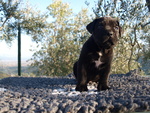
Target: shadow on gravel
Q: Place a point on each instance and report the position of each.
(36, 82)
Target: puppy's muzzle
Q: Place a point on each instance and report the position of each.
(110, 34)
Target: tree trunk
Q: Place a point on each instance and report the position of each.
(148, 4)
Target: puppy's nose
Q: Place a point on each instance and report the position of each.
(110, 33)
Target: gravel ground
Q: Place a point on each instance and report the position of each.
(130, 92)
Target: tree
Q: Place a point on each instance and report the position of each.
(65, 35)
(7, 11)
(148, 4)
(32, 21)
(133, 14)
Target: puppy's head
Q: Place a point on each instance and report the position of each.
(105, 31)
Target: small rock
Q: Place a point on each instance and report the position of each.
(83, 109)
(4, 109)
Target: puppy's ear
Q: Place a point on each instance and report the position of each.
(90, 26)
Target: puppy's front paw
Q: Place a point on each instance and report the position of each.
(102, 87)
(81, 88)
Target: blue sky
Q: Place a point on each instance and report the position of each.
(10, 53)
(76, 5)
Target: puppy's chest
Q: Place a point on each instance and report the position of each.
(98, 61)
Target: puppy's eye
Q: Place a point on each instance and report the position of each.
(100, 25)
(116, 27)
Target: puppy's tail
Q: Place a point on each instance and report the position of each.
(75, 70)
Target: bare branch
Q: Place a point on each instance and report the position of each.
(145, 24)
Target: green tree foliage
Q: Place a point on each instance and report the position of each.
(65, 35)
(7, 10)
(146, 49)
(12, 13)
(133, 16)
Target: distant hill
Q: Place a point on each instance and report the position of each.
(10, 68)
(11, 63)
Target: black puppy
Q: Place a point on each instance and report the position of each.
(94, 63)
